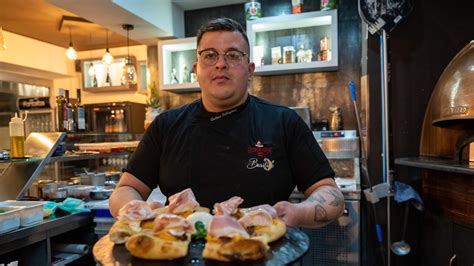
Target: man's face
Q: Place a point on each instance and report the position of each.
(224, 84)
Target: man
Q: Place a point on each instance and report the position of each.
(229, 143)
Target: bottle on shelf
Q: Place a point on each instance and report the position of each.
(17, 137)
(61, 110)
(80, 113)
(70, 125)
(108, 80)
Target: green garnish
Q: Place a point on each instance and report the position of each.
(201, 231)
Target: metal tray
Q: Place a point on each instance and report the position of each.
(287, 250)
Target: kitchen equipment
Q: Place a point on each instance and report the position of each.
(336, 118)
(100, 193)
(9, 219)
(116, 117)
(401, 247)
(55, 190)
(383, 16)
(31, 212)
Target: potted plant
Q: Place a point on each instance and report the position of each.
(153, 105)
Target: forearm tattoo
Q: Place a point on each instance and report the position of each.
(320, 214)
(337, 198)
(316, 198)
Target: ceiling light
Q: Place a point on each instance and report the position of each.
(71, 53)
(107, 59)
(3, 44)
(129, 74)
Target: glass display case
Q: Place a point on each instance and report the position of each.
(99, 77)
(176, 59)
(295, 43)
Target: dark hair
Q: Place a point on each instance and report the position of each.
(222, 24)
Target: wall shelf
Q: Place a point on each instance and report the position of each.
(303, 31)
(176, 59)
(100, 71)
(439, 164)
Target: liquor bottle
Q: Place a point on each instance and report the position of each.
(94, 81)
(108, 81)
(70, 114)
(62, 110)
(80, 113)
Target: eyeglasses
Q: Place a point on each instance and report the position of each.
(209, 57)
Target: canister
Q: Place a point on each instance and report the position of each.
(253, 10)
(288, 55)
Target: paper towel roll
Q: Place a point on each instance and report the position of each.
(70, 248)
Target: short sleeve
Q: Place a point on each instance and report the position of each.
(308, 162)
(144, 163)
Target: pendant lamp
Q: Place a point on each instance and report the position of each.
(129, 74)
(3, 44)
(107, 59)
(70, 52)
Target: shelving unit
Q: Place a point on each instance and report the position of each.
(305, 29)
(180, 55)
(100, 71)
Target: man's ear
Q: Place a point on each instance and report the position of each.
(195, 68)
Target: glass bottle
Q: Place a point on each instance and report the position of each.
(80, 113)
(70, 126)
(59, 110)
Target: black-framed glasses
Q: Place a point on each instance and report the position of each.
(209, 57)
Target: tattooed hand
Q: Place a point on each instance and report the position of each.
(324, 204)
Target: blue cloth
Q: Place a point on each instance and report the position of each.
(73, 205)
(404, 192)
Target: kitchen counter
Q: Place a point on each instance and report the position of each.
(35, 241)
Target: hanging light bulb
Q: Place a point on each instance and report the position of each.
(107, 59)
(70, 52)
(3, 44)
(129, 74)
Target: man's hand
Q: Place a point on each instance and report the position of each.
(324, 203)
(129, 188)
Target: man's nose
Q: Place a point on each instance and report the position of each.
(221, 62)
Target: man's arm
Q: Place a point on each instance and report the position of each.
(324, 203)
(129, 188)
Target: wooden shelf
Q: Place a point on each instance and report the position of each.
(112, 88)
(438, 164)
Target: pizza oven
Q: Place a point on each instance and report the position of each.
(447, 140)
(448, 127)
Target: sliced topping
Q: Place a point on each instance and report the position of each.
(135, 210)
(265, 207)
(226, 226)
(172, 224)
(182, 201)
(228, 207)
(257, 217)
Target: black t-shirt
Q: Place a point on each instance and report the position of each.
(258, 151)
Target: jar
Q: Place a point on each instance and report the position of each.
(253, 10)
(324, 43)
(276, 55)
(288, 55)
(328, 4)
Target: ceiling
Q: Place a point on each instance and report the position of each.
(45, 21)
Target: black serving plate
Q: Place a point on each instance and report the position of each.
(287, 250)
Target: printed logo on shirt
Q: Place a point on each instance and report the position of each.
(261, 161)
(223, 114)
(266, 164)
(260, 150)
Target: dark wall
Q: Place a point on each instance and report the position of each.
(318, 91)
(419, 50)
